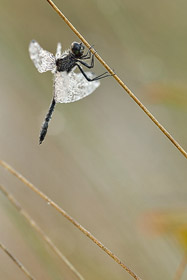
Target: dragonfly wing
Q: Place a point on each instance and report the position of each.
(61, 85)
(72, 86)
(58, 50)
(43, 60)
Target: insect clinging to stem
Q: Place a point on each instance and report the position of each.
(68, 85)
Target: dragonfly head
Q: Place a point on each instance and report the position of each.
(77, 49)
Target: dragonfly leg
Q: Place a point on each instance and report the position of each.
(102, 76)
(86, 64)
(88, 54)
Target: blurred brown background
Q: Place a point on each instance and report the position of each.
(103, 160)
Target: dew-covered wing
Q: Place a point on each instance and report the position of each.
(43, 60)
(58, 51)
(72, 87)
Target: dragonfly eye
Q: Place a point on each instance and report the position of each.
(77, 49)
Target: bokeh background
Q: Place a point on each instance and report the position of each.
(103, 160)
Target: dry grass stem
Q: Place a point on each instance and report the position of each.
(18, 263)
(181, 268)
(39, 230)
(68, 217)
(130, 93)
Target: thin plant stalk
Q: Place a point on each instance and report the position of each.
(17, 262)
(181, 268)
(18, 207)
(69, 218)
(130, 93)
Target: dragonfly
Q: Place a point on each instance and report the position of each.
(68, 86)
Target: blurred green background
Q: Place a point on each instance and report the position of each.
(103, 160)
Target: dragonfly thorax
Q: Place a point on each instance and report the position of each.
(66, 63)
